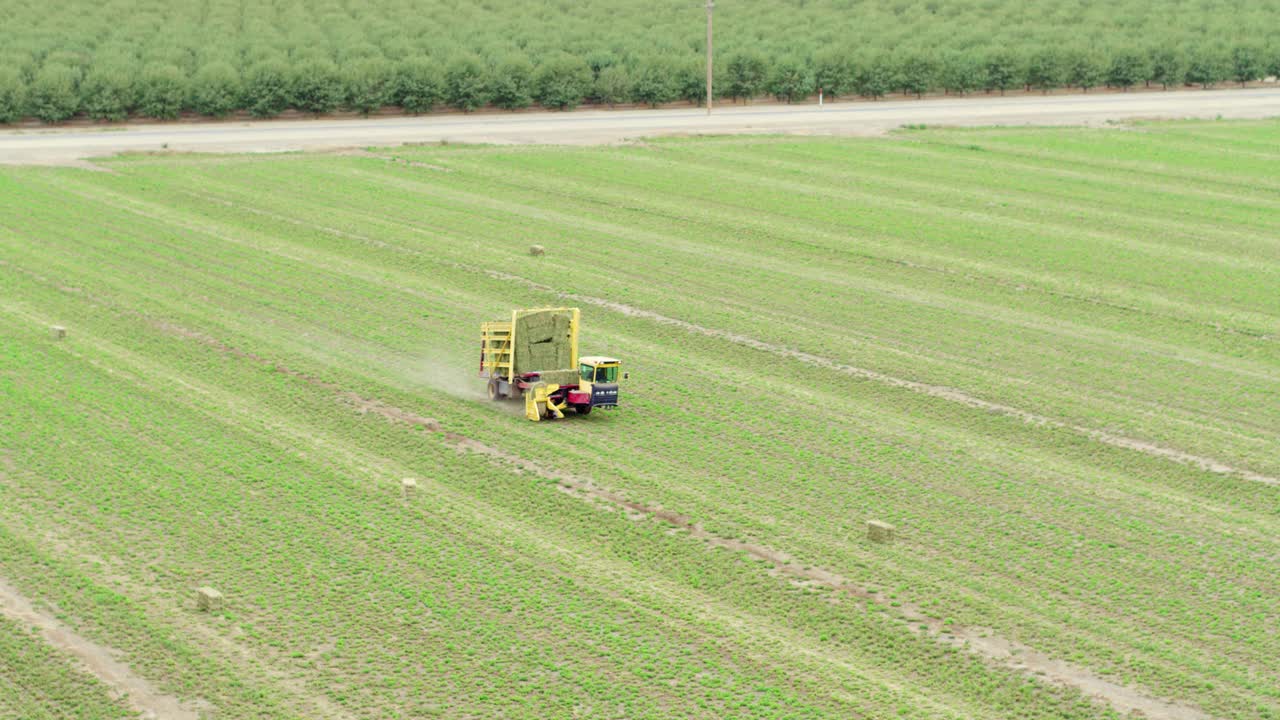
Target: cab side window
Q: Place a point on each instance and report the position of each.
(585, 372)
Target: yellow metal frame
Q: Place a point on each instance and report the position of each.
(537, 402)
(496, 343)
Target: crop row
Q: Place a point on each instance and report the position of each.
(371, 275)
(490, 591)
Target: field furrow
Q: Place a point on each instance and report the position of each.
(1051, 364)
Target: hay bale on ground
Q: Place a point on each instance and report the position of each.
(537, 250)
(881, 532)
(208, 599)
(58, 332)
(408, 486)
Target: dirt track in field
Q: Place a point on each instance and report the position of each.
(99, 660)
(73, 145)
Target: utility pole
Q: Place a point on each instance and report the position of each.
(710, 6)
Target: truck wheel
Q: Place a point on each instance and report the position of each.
(493, 390)
(583, 409)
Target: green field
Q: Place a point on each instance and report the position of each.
(1048, 356)
(37, 682)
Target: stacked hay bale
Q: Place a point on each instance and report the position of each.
(544, 343)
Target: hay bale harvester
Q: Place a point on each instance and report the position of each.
(535, 356)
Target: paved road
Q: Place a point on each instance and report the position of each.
(55, 146)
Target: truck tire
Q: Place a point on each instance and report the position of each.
(583, 409)
(493, 390)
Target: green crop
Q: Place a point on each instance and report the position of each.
(1023, 348)
(37, 682)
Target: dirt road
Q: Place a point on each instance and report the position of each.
(58, 146)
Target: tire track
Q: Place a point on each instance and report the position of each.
(99, 660)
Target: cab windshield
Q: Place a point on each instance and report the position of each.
(604, 374)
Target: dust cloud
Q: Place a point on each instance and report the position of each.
(449, 375)
(455, 376)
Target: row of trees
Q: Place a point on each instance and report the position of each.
(961, 72)
(117, 88)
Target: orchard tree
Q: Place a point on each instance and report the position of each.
(790, 80)
(512, 83)
(1207, 67)
(370, 84)
(1246, 64)
(162, 91)
(108, 92)
(398, 48)
(562, 81)
(600, 61)
(1001, 71)
(746, 76)
(216, 89)
(54, 95)
(266, 88)
(315, 86)
(874, 77)
(1273, 62)
(258, 52)
(653, 82)
(466, 83)
(350, 51)
(1168, 67)
(1045, 70)
(419, 85)
(917, 73)
(1128, 68)
(1085, 69)
(962, 73)
(13, 95)
(613, 86)
(833, 72)
(691, 80)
